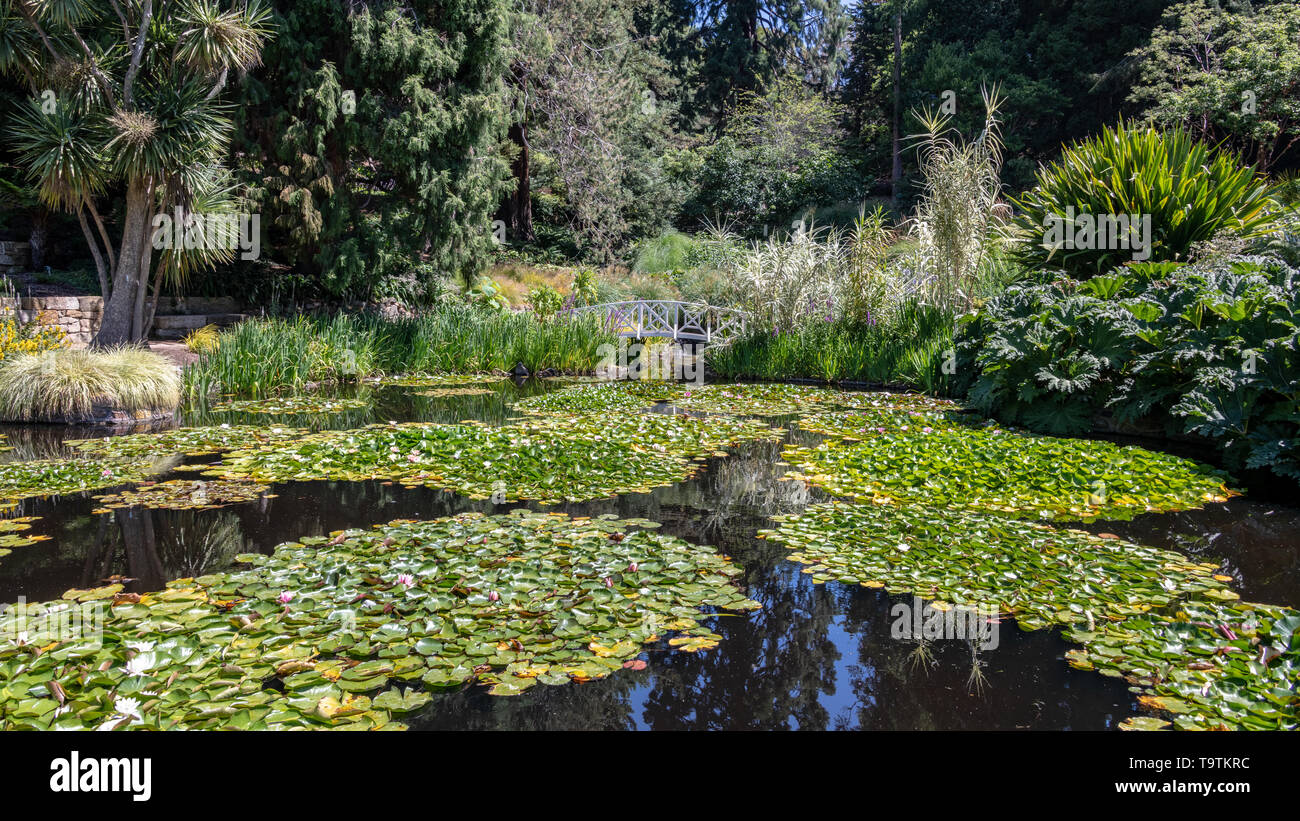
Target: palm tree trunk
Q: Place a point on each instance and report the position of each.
(119, 323)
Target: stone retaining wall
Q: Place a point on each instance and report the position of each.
(78, 316)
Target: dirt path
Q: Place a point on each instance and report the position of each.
(175, 351)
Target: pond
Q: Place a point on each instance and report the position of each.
(819, 653)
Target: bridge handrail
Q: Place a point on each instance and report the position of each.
(703, 305)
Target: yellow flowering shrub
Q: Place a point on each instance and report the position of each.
(31, 337)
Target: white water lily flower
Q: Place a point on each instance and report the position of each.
(125, 709)
(127, 706)
(140, 664)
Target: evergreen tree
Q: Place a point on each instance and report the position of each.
(372, 139)
(1230, 75)
(1062, 66)
(592, 110)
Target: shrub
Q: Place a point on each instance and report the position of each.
(1190, 193)
(68, 385)
(665, 252)
(1209, 349)
(584, 286)
(487, 294)
(545, 300)
(708, 285)
(31, 337)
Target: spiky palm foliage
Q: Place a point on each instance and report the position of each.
(134, 105)
(1190, 192)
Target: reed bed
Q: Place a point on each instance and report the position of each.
(263, 357)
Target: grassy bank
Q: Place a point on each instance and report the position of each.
(266, 356)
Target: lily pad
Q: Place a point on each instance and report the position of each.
(183, 494)
(301, 404)
(1008, 474)
(512, 601)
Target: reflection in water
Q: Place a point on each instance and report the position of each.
(150, 547)
(1255, 541)
(814, 657)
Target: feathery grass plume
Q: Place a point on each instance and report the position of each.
(955, 224)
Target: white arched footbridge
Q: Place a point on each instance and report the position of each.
(687, 321)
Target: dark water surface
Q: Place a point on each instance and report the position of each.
(814, 657)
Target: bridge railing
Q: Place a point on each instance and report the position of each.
(671, 319)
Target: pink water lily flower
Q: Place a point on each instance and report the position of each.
(926, 430)
(285, 597)
(494, 596)
(406, 579)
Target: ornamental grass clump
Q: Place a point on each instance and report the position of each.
(75, 385)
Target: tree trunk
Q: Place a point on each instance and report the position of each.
(39, 237)
(138, 329)
(101, 268)
(521, 201)
(896, 175)
(119, 324)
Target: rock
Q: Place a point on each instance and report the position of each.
(519, 370)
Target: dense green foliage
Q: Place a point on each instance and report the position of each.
(1189, 192)
(1208, 349)
(779, 157)
(906, 350)
(370, 140)
(1060, 65)
(1227, 74)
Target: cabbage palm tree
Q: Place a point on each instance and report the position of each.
(127, 101)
